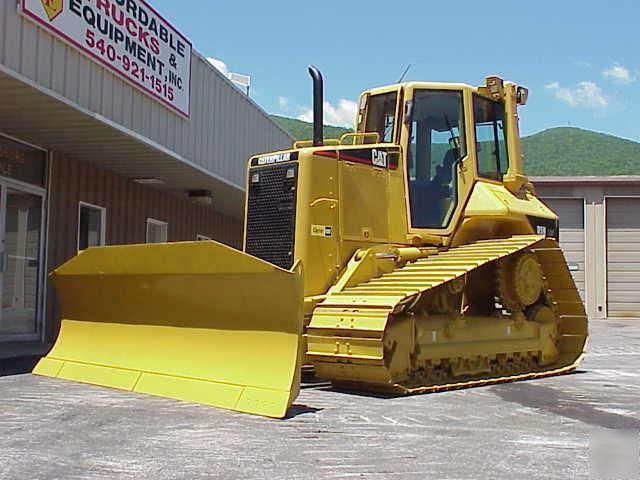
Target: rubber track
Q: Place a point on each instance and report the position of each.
(371, 304)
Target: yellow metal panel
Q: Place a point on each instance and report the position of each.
(193, 321)
(352, 348)
(99, 375)
(208, 393)
(343, 371)
(49, 367)
(336, 318)
(348, 299)
(317, 205)
(267, 402)
(364, 205)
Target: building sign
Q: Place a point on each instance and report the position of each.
(128, 37)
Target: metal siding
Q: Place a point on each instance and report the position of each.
(126, 112)
(623, 257)
(571, 214)
(84, 83)
(117, 97)
(58, 66)
(29, 52)
(216, 132)
(224, 130)
(8, 35)
(198, 111)
(43, 63)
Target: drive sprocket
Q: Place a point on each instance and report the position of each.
(520, 281)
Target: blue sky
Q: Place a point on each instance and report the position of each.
(580, 59)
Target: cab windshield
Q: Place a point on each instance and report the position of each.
(437, 144)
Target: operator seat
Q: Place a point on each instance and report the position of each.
(429, 199)
(444, 173)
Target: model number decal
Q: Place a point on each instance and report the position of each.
(275, 158)
(321, 231)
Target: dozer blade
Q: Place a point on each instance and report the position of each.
(194, 321)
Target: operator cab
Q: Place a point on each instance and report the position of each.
(431, 124)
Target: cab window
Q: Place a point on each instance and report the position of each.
(436, 148)
(491, 146)
(381, 116)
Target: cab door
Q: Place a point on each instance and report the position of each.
(437, 174)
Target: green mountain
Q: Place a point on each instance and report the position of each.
(300, 130)
(573, 151)
(555, 151)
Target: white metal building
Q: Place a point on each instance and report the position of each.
(600, 235)
(112, 130)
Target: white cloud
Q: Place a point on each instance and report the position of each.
(342, 115)
(582, 64)
(618, 73)
(584, 94)
(283, 102)
(220, 65)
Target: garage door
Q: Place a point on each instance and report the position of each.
(623, 257)
(571, 213)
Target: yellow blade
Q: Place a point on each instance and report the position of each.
(195, 321)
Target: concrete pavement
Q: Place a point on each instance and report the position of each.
(53, 429)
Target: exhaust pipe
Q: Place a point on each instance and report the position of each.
(318, 94)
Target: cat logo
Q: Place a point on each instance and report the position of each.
(53, 8)
(379, 158)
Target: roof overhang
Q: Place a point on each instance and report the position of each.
(587, 180)
(45, 118)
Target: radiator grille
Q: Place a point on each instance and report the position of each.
(271, 213)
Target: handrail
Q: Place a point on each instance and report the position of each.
(332, 142)
(345, 136)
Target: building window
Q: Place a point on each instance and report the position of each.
(156, 231)
(22, 162)
(202, 237)
(92, 222)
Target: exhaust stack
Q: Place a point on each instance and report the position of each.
(318, 94)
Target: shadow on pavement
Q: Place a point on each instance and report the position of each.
(564, 404)
(17, 366)
(297, 409)
(327, 386)
(359, 393)
(314, 382)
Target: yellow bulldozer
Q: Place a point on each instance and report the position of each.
(409, 256)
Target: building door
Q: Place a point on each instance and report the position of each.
(571, 214)
(21, 252)
(623, 257)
